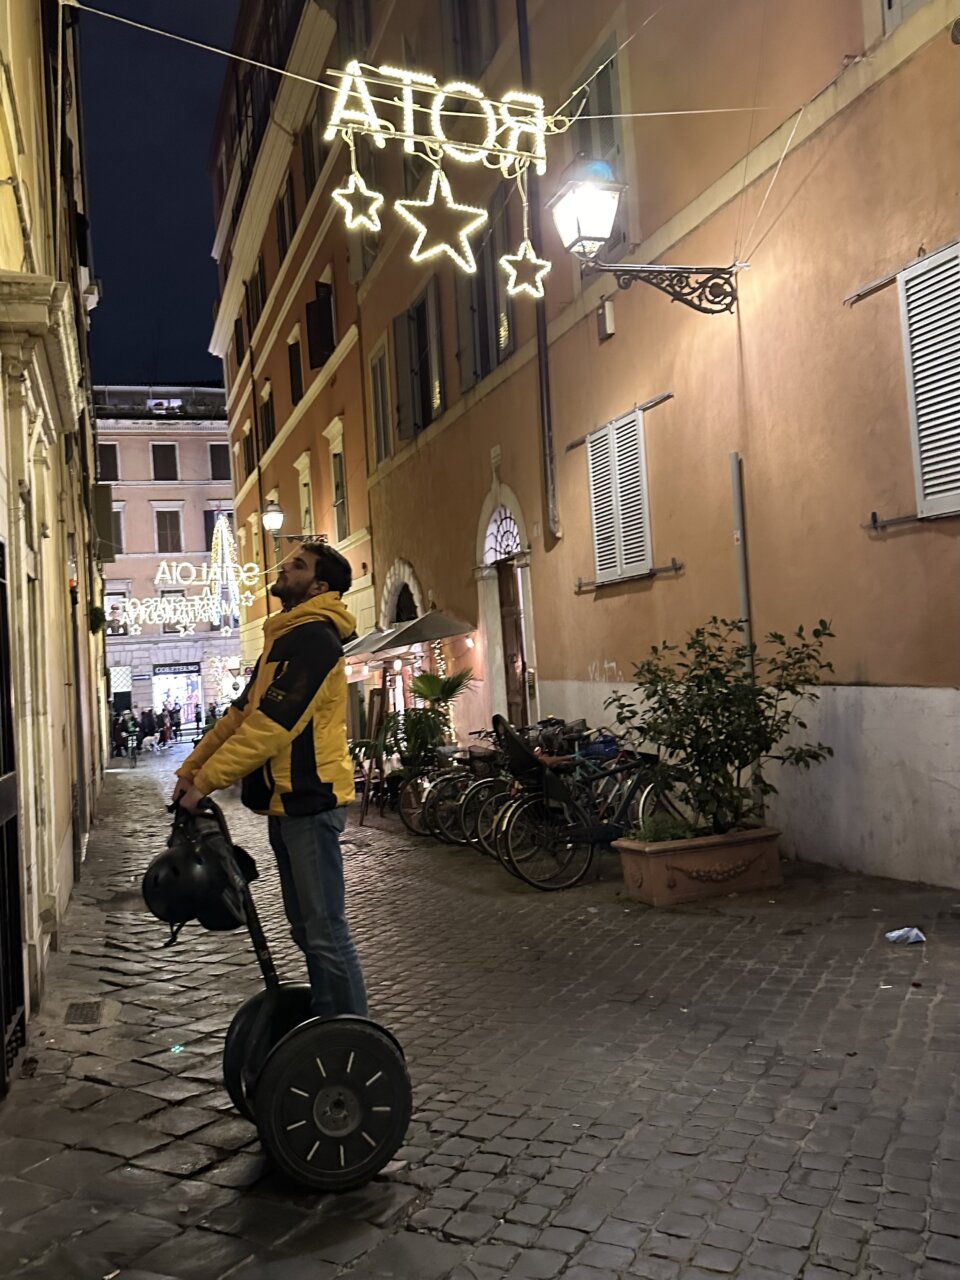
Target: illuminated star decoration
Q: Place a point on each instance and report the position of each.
(421, 213)
(525, 271)
(247, 599)
(360, 204)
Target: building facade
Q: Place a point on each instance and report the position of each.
(165, 453)
(571, 490)
(52, 689)
(287, 323)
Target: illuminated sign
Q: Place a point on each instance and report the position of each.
(455, 122)
(221, 579)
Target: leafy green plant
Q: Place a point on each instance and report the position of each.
(417, 733)
(98, 619)
(662, 826)
(719, 711)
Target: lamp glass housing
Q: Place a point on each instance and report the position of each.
(272, 518)
(585, 208)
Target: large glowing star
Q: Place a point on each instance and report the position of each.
(432, 219)
(525, 271)
(360, 204)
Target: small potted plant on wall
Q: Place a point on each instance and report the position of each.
(720, 712)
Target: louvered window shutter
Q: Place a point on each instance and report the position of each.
(466, 331)
(436, 350)
(930, 314)
(631, 489)
(403, 364)
(603, 504)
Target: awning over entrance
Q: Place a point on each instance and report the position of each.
(435, 625)
(364, 645)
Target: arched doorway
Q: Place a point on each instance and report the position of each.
(506, 618)
(401, 599)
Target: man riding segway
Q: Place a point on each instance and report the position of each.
(285, 737)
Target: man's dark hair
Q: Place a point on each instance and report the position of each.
(331, 567)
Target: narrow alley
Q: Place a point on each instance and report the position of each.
(765, 1088)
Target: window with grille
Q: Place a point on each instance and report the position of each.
(171, 628)
(474, 33)
(484, 308)
(286, 219)
(312, 146)
(219, 462)
(619, 504)
(295, 361)
(353, 28)
(381, 406)
(339, 496)
(256, 296)
(108, 462)
(598, 133)
(165, 462)
(117, 532)
(321, 326)
(930, 318)
(169, 537)
(419, 374)
(268, 422)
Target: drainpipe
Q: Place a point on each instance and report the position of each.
(14, 184)
(255, 414)
(743, 587)
(543, 358)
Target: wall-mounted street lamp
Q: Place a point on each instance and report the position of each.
(585, 211)
(272, 518)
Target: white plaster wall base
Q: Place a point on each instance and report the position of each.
(887, 804)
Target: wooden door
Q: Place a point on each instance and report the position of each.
(511, 623)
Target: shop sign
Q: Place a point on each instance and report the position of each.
(176, 669)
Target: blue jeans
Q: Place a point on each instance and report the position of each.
(311, 878)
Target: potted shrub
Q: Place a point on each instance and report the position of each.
(720, 712)
(417, 733)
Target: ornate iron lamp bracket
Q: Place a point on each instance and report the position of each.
(710, 290)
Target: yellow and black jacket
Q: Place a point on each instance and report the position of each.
(286, 735)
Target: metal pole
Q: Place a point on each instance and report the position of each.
(740, 550)
(255, 428)
(743, 586)
(543, 356)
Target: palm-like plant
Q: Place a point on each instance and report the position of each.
(417, 733)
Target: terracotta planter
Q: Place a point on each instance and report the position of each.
(672, 871)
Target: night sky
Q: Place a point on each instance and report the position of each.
(149, 107)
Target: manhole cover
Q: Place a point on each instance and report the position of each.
(86, 1013)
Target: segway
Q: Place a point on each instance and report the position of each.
(330, 1097)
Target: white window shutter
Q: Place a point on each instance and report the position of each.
(603, 504)
(930, 316)
(631, 490)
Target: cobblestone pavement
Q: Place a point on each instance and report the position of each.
(764, 1089)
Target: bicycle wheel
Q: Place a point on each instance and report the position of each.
(446, 806)
(500, 830)
(487, 820)
(470, 804)
(658, 798)
(547, 843)
(411, 804)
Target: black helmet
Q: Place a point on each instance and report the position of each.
(201, 875)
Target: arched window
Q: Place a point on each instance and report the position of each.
(503, 537)
(405, 610)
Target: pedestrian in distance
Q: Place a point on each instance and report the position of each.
(285, 737)
(176, 721)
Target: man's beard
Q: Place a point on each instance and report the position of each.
(288, 596)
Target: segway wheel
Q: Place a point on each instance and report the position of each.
(333, 1103)
(291, 1007)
